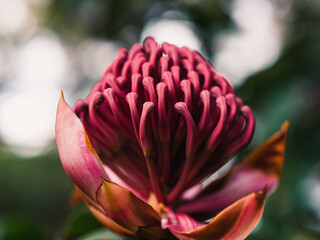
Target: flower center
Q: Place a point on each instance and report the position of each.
(163, 120)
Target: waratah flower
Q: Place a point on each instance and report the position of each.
(145, 146)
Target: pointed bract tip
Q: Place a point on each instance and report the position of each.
(261, 195)
(61, 95)
(285, 126)
(103, 180)
(62, 101)
(76, 197)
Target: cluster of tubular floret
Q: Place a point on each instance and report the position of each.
(162, 119)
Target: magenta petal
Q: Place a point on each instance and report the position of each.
(244, 180)
(113, 177)
(260, 168)
(126, 209)
(77, 155)
(178, 222)
(233, 223)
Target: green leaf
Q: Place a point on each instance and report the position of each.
(80, 223)
(20, 227)
(102, 234)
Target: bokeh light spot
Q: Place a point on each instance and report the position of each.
(13, 14)
(254, 46)
(27, 121)
(178, 32)
(41, 61)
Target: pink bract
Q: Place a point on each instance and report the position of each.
(159, 123)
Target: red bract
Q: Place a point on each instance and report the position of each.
(162, 121)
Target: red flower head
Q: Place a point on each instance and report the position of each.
(162, 121)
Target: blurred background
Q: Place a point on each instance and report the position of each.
(268, 49)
